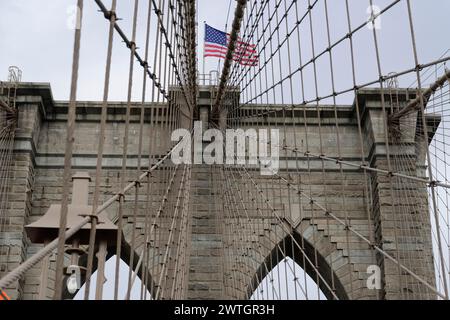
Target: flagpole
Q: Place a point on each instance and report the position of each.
(204, 58)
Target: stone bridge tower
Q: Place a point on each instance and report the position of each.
(367, 199)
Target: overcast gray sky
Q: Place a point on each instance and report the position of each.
(36, 38)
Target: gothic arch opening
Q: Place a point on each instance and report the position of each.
(288, 281)
(109, 275)
(296, 261)
(108, 288)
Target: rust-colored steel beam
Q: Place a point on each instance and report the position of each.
(238, 15)
(415, 104)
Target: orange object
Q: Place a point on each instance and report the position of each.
(4, 296)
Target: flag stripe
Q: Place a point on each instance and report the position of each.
(216, 45)
(214, 48)
(218, 55)
(216, 51)
(239, 42)
(215, 55)
(244, 59)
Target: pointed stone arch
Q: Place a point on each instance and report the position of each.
(291, 249)
(125, 257)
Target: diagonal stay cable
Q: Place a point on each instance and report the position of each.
(61, 240)
(18, 272)
(152, 75)
(238, 15)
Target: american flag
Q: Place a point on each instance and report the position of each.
(216, 45)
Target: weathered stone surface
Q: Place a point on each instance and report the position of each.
(36, 183)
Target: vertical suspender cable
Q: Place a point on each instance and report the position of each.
(68, 154)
